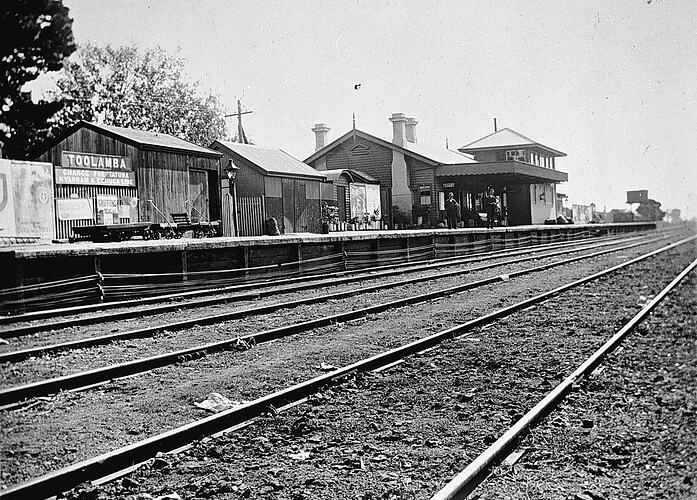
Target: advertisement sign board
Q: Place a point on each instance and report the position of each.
(107, 203)
(75, 208)
(26, 199)
(364, 199)
(7, 203)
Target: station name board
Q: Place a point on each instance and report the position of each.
(94, 177)
(70, 159)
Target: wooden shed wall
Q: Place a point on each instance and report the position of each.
(85, 140)
(160, 176)
(164, 178)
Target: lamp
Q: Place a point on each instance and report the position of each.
(231, 171)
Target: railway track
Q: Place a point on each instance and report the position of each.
(19, 354)
(123, 458)
(134, 308)
(462, 485)
(16, 394)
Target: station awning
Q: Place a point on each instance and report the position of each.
(508, 169)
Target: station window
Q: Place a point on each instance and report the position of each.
(425, 195)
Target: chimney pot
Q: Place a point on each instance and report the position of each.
(411, 129)
(399, 122)
(320, 130)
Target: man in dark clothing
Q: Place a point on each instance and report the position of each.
(490, 203)
(452, 211)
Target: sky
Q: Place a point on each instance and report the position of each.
(613, 84)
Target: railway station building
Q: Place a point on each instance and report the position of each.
(522, 172)
(271, 183)
(404, 168)
(415, 178)
(107, 175)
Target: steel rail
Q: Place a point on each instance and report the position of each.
(19, 393)
(476, 472)
(479, 256)
(21, 354)
(123, 458)
(307, 283)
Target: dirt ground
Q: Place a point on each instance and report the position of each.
(398, 434)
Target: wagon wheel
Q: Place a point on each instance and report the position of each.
(198, 233)
(155, 235)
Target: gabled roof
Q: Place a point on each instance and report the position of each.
(272, 161)
(139, 139)
(429, 154)
(505, 138)
(354, 175)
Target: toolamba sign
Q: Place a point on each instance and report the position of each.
(70, 159)
(88, 169)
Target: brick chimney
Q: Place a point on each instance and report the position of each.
(320, 130)
(399, 122)
(401, 193)
(411, 130)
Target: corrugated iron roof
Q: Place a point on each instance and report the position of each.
(505, 138)
(440, 155)
(508, 167)
(154, 139)
(272, 160)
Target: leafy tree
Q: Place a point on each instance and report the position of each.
(36, 38)
(145, 90)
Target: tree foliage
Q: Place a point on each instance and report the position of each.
(36, 38)
(140, 89)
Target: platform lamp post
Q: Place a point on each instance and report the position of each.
(231, 172)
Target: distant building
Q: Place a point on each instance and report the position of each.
(617, 215)
(583, 214)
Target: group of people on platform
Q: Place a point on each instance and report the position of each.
(453, 212)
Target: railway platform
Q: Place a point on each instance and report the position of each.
(36, 264)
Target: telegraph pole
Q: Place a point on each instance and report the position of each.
(241, 136)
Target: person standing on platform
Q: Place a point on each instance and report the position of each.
(452, 211)
(490, 203)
